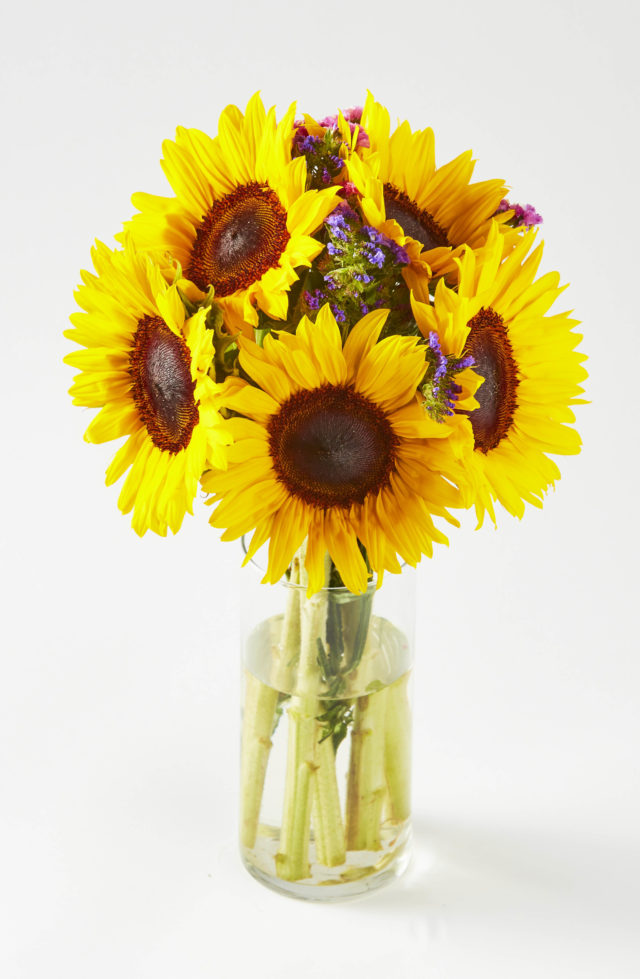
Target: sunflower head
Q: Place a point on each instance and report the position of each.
(241, 219)
(527, 365)
(145, 365)
(332, 443)
(432, 211)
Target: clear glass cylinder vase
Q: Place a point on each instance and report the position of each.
(326, 736)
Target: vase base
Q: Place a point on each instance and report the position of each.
(363, 870)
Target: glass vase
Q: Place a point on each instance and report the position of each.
(326, 736)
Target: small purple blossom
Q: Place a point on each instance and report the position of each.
(352, 117)
(334, 249)
(340, 232)
(526, 216)
(308, 144)
(376, 237)
(441, 365)
(375, 256)
(451, 396)
(339, 217)
(338, 221)
(440, 389)
(343, 210)
(354, 114)
(399, 253)
(313, 299)
(302, 141)
(531, 216)
(338, 313)
(373, 235)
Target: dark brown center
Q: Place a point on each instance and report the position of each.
(240, 238)
(490, 347)
(331, 446)
(413, 220)
(160, 369)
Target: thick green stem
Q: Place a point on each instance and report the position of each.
(287, 650)
(397, 750)
(292, 859)
(257, 726)
(258, 722)
(328, 830)
(366, 787)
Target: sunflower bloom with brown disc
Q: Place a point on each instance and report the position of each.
(242, 218)
(334, 446)
(530, 368)
(431, 211)
(145, 366)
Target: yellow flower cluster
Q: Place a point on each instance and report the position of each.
(338, 339)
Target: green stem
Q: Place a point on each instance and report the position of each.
(288, 646)
(328, 830)
(258, 721)
(292, 859)
(397, 750)
(366, 786)
(257, 726)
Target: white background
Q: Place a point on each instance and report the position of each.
(119, 700)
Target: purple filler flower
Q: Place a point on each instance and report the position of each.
(313, 299)
(526, 216)
(354, 114)
(352, 117)
(338, 220)
(375, 255)
(374, 235)
(440, 362)
(399, 253)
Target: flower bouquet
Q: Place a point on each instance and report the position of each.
(341, 343)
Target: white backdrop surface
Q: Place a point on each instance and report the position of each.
(120, 674)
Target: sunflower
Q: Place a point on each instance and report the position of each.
(333, 445)
(146, 367)
(241, 219)
(529, 364)
(431, 211)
